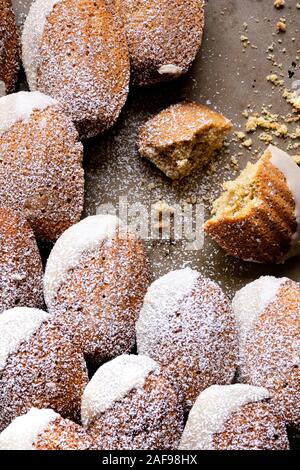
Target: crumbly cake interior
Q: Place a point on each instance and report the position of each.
(240, 195)
(178, 160)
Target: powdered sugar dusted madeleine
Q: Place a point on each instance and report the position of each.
(41, 171)
(187, 325)
(130, 405)
(76, 52)
(182, 138)
(267, 313)
(257, 218)
(9, 48)
(43, 429)
(163, 37)
(21, 270)
(39, 366)
(234, 417)
(95, 280)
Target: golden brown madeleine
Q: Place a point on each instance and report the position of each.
(182, 138)
(43, 429)
(39, 366)
(267, 313)
(21, 270)
(234, 417)
(163, 37)
(130, 405)
(257, 218)
(9, 48)
(41, 171)
(95, 281)
(76, 52)
(187, 325)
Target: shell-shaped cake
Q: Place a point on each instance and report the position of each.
(9, 48)
(234, 417)
(182, 138)
(187, 325)
(21, 270)
(41, 172)
(163, 37)
(95, 280)
(268, 320)
(76, 52)
(43, 429)
(39, 366)
(257, 218)
(130, 405)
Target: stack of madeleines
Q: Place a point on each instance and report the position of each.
(208, 373)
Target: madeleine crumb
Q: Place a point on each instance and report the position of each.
(279, 4)
(281, 26)
(274, 79)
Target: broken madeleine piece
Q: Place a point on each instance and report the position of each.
(182, 138)
(257, 218)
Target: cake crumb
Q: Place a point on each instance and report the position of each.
(162, 207)
(265, 137)
(281, 26)
(245, 41)
(191, 200)
(163, 213)
(279, 4)
(274, 79)
(247, 143)
(240, 135)
(234, 160)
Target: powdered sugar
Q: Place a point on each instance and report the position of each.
(2, 89)
(113, 381)
(16, 326)
(80, 238)
(22, 433)
(211, 411)
(250, 301)
(32, 37)
(19, 107)
(162, 299)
